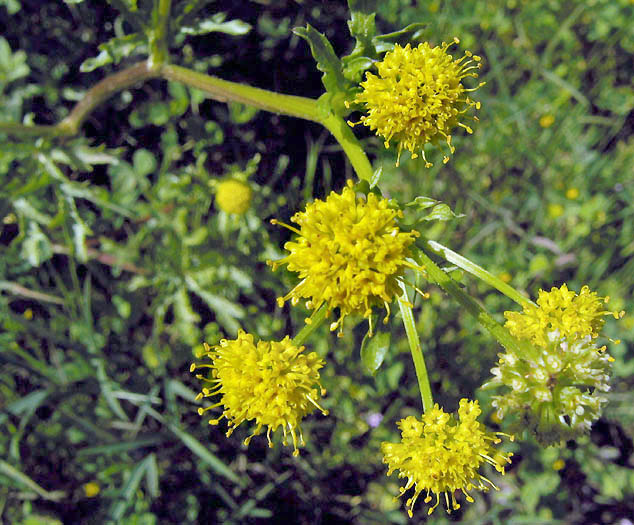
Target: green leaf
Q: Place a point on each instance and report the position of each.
(144, 162)
(203, 453)
(422, 203)
(376, 177)
(36, 248)
(373, 350)
(12, 65)
(327, 60)
(151, 477)
(79, 241)
(226, 311)
(384, 43)
(10, 471)
(13, 6)
(24, 208)
(120, 448)
(441, 212)
(129, 5)
(114, 51)
(127, 492)
(217, 24)
(28, 403)
(362, 27)
(354, 67)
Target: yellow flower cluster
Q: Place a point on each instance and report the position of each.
(233, 196)
(274, 383)
(440, 455)
(574, 316)
(418, 96)
(350, 254)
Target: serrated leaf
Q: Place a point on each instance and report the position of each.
(362, 27)
(217, 24)
(327, 60)
(373, 351)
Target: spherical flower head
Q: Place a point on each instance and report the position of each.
(572, 315)
(418, 96)
(274, 383)
(555, 390)
(349, 254)
(439, 455)
(233, 196)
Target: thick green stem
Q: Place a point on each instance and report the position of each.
(316, 320)
(478, 271)
(416, 350)
(351, 146)
(435, 274)
(225, 91)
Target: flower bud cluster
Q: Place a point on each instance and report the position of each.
(557, 388)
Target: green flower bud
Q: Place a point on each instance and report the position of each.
(556, 391)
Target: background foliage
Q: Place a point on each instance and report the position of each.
(116, 265)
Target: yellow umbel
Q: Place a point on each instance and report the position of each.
(418, 97)
(274, 383)
(233, 196)
(574, 316)
(439, 455)
(349, 254)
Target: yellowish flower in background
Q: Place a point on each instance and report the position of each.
(545, 121)
(418, 97)
(233, 196)
(350, 254)
(91, 489)
(574, 316)
(439, 455)
(274, 383)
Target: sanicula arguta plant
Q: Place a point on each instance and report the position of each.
(354, 253)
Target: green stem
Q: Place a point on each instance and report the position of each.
(416, 350)
(316, 320)
(158, 33)
(101, 92)
(225, 91)
(351, 146)
(435, 274)
(216, 88)
(479, 272)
